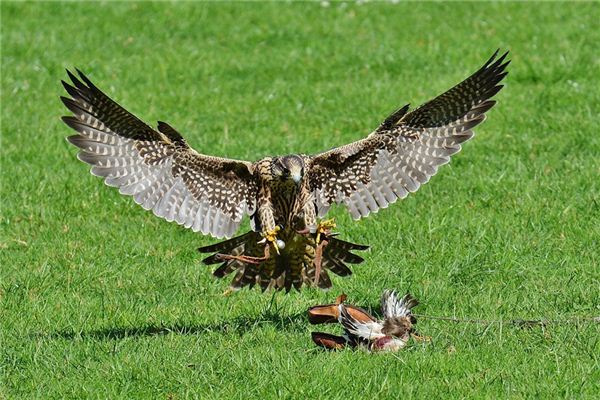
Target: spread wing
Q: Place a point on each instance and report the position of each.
(392, 306)
(406, 149)
(158, 168)
(369, 330)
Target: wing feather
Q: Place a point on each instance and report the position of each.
(406, 150)
(369, 330)
(392, 306)
(157, 168)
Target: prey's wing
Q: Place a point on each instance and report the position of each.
(369, 330)
(406, 149)
(393, 306)
(157, 167)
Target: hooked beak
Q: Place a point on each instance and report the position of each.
(297, 178)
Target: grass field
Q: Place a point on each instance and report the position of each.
(100, 299)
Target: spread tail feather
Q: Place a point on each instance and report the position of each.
(294, 267)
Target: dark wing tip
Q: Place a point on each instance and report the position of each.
(502, 57)
(499, 65)
(494, 65)
(410, 299)
(72, 90)
(69, 73)
(493, 59)
(71, 121)
(75, 80)
(70, 138)
(67, 101)
(75, 140)
(72, 105)
(85, 79)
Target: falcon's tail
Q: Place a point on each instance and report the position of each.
(294, 266)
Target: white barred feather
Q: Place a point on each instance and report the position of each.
(141, 162)
(406, 150)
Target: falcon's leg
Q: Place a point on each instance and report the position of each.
(311, 227)
(318, 261)
(310, 217)
(269, 228)
(324, 227)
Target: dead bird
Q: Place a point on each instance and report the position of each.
(363, 330)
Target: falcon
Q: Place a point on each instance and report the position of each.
(362, 330)
(285, 197)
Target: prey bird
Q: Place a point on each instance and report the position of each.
(284, 196)
(364, 331)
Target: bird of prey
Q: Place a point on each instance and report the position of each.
(284, 196)
(363, 330)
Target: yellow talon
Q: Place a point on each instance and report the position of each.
(271, 236)
(325, 226)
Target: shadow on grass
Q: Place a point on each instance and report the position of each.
(238, 326)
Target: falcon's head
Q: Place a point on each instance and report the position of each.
(289, 168)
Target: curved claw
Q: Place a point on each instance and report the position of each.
(325, 227)
(271, 236)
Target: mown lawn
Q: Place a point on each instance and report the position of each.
(100, 299)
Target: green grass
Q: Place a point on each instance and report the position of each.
(101, 299)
